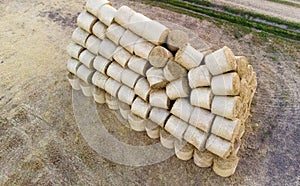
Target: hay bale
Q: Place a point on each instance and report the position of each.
(173, 71)
(86, 21)
(226, 84)
(218, 146)
(228, 107)
(177, 39)
(159, 56)
(156, 79)
(101, 64)
(106, 14)
(99, 30)
(159, 98)
(225, 128)
(188, 57)
(182, 109)
(199, 77)
(183, 150)
(99, 79)
(202, 119)
(114, 71)
(115, 32)
(159, 116)
(196, 137)
(221, 61)
(138, 65)
(202, 97)
(176, 127)
(142, 89)
(74, 50)
(87, 58)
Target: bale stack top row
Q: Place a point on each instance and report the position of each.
(195, 101)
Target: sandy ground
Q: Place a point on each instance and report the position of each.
(266, 7)
(40, 143)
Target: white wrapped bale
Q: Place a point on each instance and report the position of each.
(112, 102)
(159, 116)
(225, 167)
(112, 87)
(74, 50)
(128, 40)
(87, 89)
(173, 71)
(178, 89)
(129, 78)
(99, 30)
(74, 81)
(176, 127)
(166, 139)
(137, 123)
(228, 107)
(225, 128)
(115, 32)
(203, 159)
(94, 5)
(87, 58)
(140, 108)
(99, 80)
(92, 44)
(123, 15)
(226, 84)
(152, 129)
(101, 64)
(138, 23)
(196, 137)
(188, 57)
(159, 56)
(86, 21)
(155, 77)
(201, 97)
(183, 150)
(99, 95)
(73, 65)
(177, 39)
(142, 89)
(202, 119)
(124, 110)
(106, 14)
(199, 77)
(218, 146)
(115, 70)
(85, 74)
(221, 61)
(159, 98)
(80, 36)
(143, 48)
(182, 109)
(107, 49)
(122, 56)
(138, 65)
(155, 32)
(126, 95)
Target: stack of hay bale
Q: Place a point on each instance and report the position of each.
(195, 102)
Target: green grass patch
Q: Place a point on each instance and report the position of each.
(190, 9)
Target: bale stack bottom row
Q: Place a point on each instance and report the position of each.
(195, 102)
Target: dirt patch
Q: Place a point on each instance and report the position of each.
(40, 142)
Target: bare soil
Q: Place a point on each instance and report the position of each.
(40, 143)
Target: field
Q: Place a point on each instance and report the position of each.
(40, 143)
